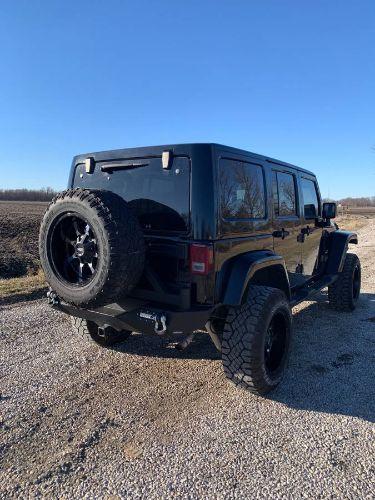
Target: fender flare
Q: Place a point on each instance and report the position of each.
(337, 248)
(243, 268)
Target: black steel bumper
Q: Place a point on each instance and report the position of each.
(140, 316)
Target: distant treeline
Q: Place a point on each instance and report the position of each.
(358, 202)
(43, 194)
(46, 194)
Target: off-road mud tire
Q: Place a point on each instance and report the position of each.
(343, 294)
(119, 239)
(244, 337)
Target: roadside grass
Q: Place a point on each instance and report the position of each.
(32, 285)
(22, 288)
(351, 222)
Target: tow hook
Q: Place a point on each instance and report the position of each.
(160, 320)
(53, 298)
(160, 324)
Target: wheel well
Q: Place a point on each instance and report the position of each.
(274, 276)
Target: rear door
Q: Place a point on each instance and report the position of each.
(160, 198)
(310, 232)
(286, 221)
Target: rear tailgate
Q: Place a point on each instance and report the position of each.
(160, 198)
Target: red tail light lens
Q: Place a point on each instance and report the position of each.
(201, 259)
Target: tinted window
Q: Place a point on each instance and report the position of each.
(310, 199)
(241, 190)
(284, 194)
(160, 198)
(275, 193)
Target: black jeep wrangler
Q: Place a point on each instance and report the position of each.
(174, 239)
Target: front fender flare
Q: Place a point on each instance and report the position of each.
(337, 248)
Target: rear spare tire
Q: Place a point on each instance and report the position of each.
(91, 247)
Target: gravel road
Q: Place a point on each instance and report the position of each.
(144, 420)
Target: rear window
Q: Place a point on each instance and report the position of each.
(284, 194)
(242, 193)
(160, 198)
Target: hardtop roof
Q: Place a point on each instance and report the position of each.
(181, 148)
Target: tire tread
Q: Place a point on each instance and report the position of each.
(242, 336)
(125, 238)
(340, 292)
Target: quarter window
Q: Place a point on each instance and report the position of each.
(241, 190)
(275, 194)
(310, 199)
(284, 194)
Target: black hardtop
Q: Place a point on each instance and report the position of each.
(180, 150)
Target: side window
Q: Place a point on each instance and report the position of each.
(241, 190)
(275, 194)
(310, 199)
(284, 194)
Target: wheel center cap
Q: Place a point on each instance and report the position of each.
(80, 250)
(85, 251)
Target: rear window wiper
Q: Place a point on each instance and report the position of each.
(111, 167)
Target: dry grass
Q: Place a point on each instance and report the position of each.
(20, 274)
(351, 222)
(22, 288)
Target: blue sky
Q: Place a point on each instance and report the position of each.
(290, 79)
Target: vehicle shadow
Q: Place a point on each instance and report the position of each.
(331, 365)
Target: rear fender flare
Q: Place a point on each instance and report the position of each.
(250, 267)
(337, 248)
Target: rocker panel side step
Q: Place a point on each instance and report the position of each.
(311, 288)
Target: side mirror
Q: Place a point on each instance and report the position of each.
(329, 210)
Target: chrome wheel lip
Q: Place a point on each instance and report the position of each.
(77, 264)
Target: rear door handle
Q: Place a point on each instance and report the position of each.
(280, 233)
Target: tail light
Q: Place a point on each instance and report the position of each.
(201, 259)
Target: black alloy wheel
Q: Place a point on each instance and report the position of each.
(256, 339)
(73, 249)
(91, 247)
(356, 282)
(275, 343)
(344, 293)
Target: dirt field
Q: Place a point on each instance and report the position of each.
(19, 227)
(143, 420)
(369, 211)
(20, 274)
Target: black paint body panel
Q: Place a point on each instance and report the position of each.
(243, 248)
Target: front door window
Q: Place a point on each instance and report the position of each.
(312, 232)
(287, 225)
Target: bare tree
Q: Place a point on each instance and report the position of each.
(253, 200)
(43, 194)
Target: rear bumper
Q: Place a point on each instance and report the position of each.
(140, 316)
